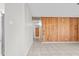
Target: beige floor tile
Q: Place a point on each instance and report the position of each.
(54, 49)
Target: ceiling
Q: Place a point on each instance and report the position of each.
(54, 9)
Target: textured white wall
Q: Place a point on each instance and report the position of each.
(17, 40)
(54, 9)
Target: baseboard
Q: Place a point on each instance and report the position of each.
(59, 42)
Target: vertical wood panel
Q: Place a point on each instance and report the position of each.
(43, 28)
(49, 28)
(65, 29)
(55, 28)
(60, 29)
(73, 29)
(78, 28)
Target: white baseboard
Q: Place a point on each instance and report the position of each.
(59, 42)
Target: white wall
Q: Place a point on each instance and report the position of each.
(28, 27)
(54, 9)
(0, 34)
(2, 8)
(16, 42)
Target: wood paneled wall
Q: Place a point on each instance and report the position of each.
(60, 28)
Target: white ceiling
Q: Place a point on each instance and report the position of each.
(51, 9)
(54, 9)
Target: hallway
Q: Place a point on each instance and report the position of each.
(22, 23)
(54, 49)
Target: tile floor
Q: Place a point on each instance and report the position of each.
(54, 49)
